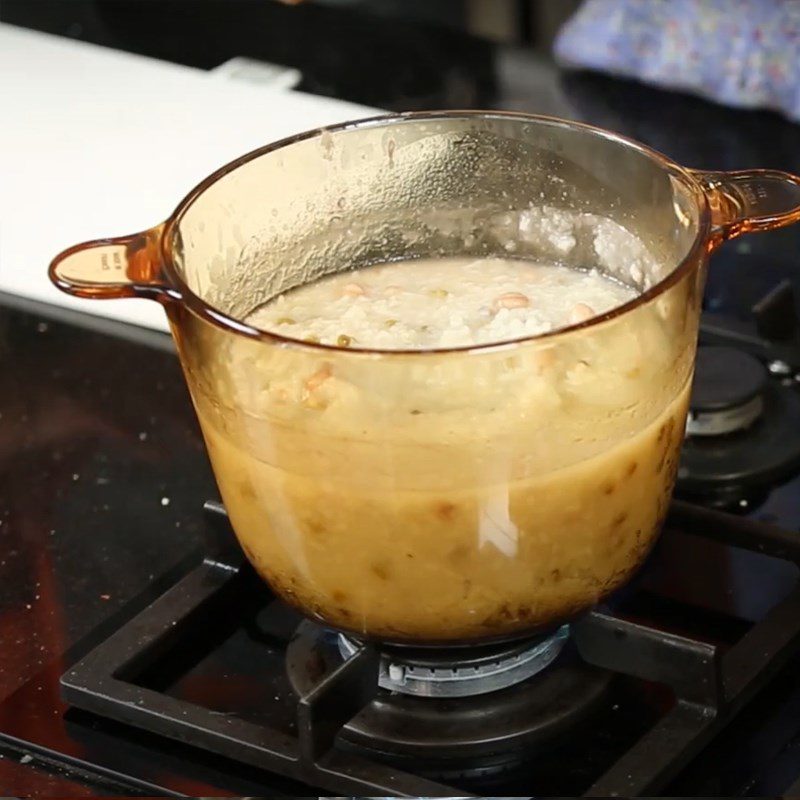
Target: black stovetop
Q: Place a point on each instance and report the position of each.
(628, 707)
(103, 476)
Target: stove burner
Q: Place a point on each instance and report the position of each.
(487, 732)
(727, 392)
(461, 672)
(743, 430)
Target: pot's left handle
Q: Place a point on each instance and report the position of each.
(125, 266)
(749, 200)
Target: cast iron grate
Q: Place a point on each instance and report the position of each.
(710, 686)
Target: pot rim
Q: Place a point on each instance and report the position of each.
(209, 313)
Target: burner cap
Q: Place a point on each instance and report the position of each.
(745, 461)
(726, 393)
(462, 673)
(725, 378)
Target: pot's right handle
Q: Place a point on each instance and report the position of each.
(749, 200)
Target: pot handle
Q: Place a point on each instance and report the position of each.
(749, 200)
(125, 266)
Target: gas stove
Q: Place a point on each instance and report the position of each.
(685, 683)
(622, 705)
(624, 702)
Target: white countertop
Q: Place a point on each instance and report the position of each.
(96, 142)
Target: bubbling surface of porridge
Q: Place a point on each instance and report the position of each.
(439, 303)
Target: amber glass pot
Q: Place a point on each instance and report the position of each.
(438, 496)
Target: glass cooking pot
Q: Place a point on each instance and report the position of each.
(439, 496)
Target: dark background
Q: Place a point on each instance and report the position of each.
(416, 53)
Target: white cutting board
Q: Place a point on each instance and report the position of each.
(95, 142)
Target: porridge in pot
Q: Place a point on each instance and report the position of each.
(513, 490)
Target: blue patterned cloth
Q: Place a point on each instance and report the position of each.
(743, 53)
